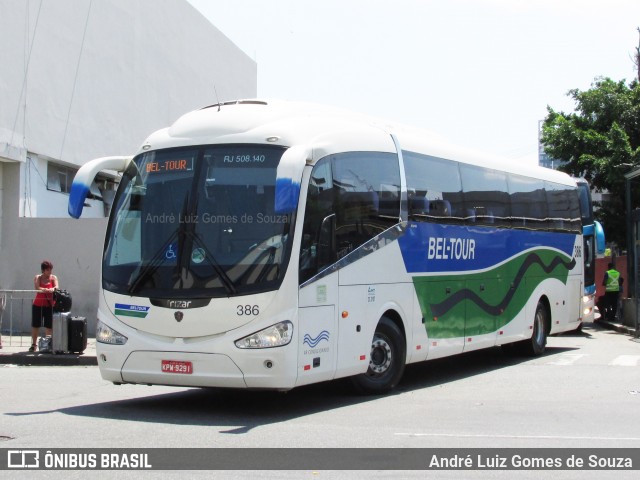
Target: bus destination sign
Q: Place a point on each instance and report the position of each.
(178, 165)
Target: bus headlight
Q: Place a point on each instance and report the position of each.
(105, 334)
(274, 336)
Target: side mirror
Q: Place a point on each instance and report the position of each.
(600, 242)
(85, 176)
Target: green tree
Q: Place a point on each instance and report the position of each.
(600, 141)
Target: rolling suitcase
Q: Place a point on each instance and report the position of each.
(60, 340)
(77, 334)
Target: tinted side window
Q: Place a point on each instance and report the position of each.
(367, 197)
(434, 189)
(564, 207)
(486, 197)
(586, 207)
(528, 202)
(317, 250)
(352, 197)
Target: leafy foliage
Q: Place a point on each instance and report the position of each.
(600, 141)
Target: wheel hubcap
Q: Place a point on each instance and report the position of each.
(380, 356)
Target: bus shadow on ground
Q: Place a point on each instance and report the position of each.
(240, 411)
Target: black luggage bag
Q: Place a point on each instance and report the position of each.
(77, 334)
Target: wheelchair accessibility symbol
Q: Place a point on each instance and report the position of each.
(170, 253)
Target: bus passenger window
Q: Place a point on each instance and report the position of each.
(352, 196)
(486, 195)
(528, 202)
(369, 200)
(433, 183)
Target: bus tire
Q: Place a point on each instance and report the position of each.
(386, 361)
(538, 342)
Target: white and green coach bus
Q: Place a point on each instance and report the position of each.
(260, 244)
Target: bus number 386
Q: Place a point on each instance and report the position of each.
(247, 310)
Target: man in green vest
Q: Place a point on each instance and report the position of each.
(612, 282)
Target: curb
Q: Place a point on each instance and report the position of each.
(618, 327)
(47, 359)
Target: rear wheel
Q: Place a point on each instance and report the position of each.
(538, 341)
(386, 360)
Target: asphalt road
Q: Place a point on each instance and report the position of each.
(583, 393)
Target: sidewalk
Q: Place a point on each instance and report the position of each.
(15, 351)
(618, 327)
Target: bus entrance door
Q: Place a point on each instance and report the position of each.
(317, 332)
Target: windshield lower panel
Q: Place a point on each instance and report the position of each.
(198, 222)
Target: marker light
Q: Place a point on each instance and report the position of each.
(274, 336)
(105, 334)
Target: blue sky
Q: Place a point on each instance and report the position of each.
(479, 73)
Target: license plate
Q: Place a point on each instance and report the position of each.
(177, 366)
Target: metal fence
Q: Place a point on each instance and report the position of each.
(15, 314)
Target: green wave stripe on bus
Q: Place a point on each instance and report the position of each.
(480, 303)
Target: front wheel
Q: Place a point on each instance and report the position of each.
(386, 361)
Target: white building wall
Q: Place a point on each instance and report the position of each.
(83, 79)
(37, 201)
(1, 197)
(90, 79)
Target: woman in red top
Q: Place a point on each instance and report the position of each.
(42, 309)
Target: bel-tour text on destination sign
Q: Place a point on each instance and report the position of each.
(208, 218)
(497, 462)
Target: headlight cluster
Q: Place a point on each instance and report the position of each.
(274, 336)
(587, 302)
(105, 334)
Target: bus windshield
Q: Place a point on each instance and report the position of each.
(198, 222)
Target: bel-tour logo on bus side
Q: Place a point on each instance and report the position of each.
(443, 248)
(126, 310)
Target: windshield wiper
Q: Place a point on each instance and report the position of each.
(228, 284)
(157, 259)
(145, 272)
(184, 231)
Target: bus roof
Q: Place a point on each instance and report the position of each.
(323, 130)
